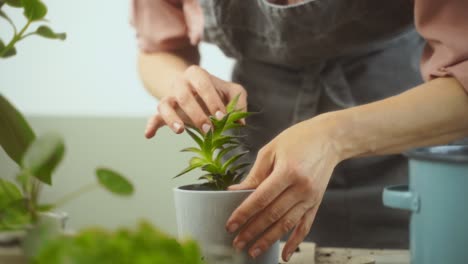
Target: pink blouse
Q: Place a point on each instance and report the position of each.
(173, 24)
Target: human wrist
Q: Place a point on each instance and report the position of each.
(337, 128)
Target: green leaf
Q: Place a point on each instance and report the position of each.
(7, 18)
(194, 163)
(34, 9)
(15, 215)
(232, 160)
(14, 3)
(231, 106)
(219, 124)
(10, 53)
(223, 152)
(194, 137)
(208, 177)
(207, 143)
(211, 168)
(232, 126)
(8, 192)
(225, 140)
(43, 156)
(238, 167)
(192, 149)
(235, 116)
(46, 32)
(15, 132)
(114, 182)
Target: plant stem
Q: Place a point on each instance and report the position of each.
(15, 39)
(75, 194)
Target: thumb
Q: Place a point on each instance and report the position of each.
(260, 170)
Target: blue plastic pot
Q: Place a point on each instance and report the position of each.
(437, 196)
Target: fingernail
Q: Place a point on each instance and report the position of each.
(288, 257)
(176, 126)
(256, 252)
(206, 128)
(219, 115)
(233, 227)
(240, 245)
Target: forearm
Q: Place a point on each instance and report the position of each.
(158, 70)
(433, 113)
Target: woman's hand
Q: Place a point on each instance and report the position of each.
(290, 175)
(196, 95)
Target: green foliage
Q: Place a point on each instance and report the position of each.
(43, 156)
(37, 159)
(15, 133)
(214, 146)
(34, 11)
(114, 182)
(13, 213)
(46, 32)
(145, 245)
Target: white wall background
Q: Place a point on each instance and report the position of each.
(93, 72)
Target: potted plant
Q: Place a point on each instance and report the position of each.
(203, 209)
(37, 157)
(142, 245)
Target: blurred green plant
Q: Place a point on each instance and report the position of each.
(36, 157)
(214, 145)
(20, 206)
(34, 11)
(144, 245)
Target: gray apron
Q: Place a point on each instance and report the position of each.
(301, 60)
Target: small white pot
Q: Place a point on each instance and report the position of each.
(202, 215)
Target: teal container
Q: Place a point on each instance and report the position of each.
(437, 196)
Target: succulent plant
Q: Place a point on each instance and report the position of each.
(216, 144)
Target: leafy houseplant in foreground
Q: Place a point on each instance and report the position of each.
(214, 146)
(36, 157)
(98, 246)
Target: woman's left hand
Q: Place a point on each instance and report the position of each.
(290, 175)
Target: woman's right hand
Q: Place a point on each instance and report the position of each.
(196, 94)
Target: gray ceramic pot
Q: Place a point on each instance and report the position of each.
(202, 215)
(437, 197)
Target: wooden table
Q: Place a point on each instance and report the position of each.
(310, 254)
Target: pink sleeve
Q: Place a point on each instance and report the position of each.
(444, 25)
(166, 24)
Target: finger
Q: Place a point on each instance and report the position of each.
(154, 123)
(188, 103)
(201, 83)
(262, 167)
(230, 91)
(299, 233)
(266, 192)
(166, 111)
(283, 226)
(266, 218)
